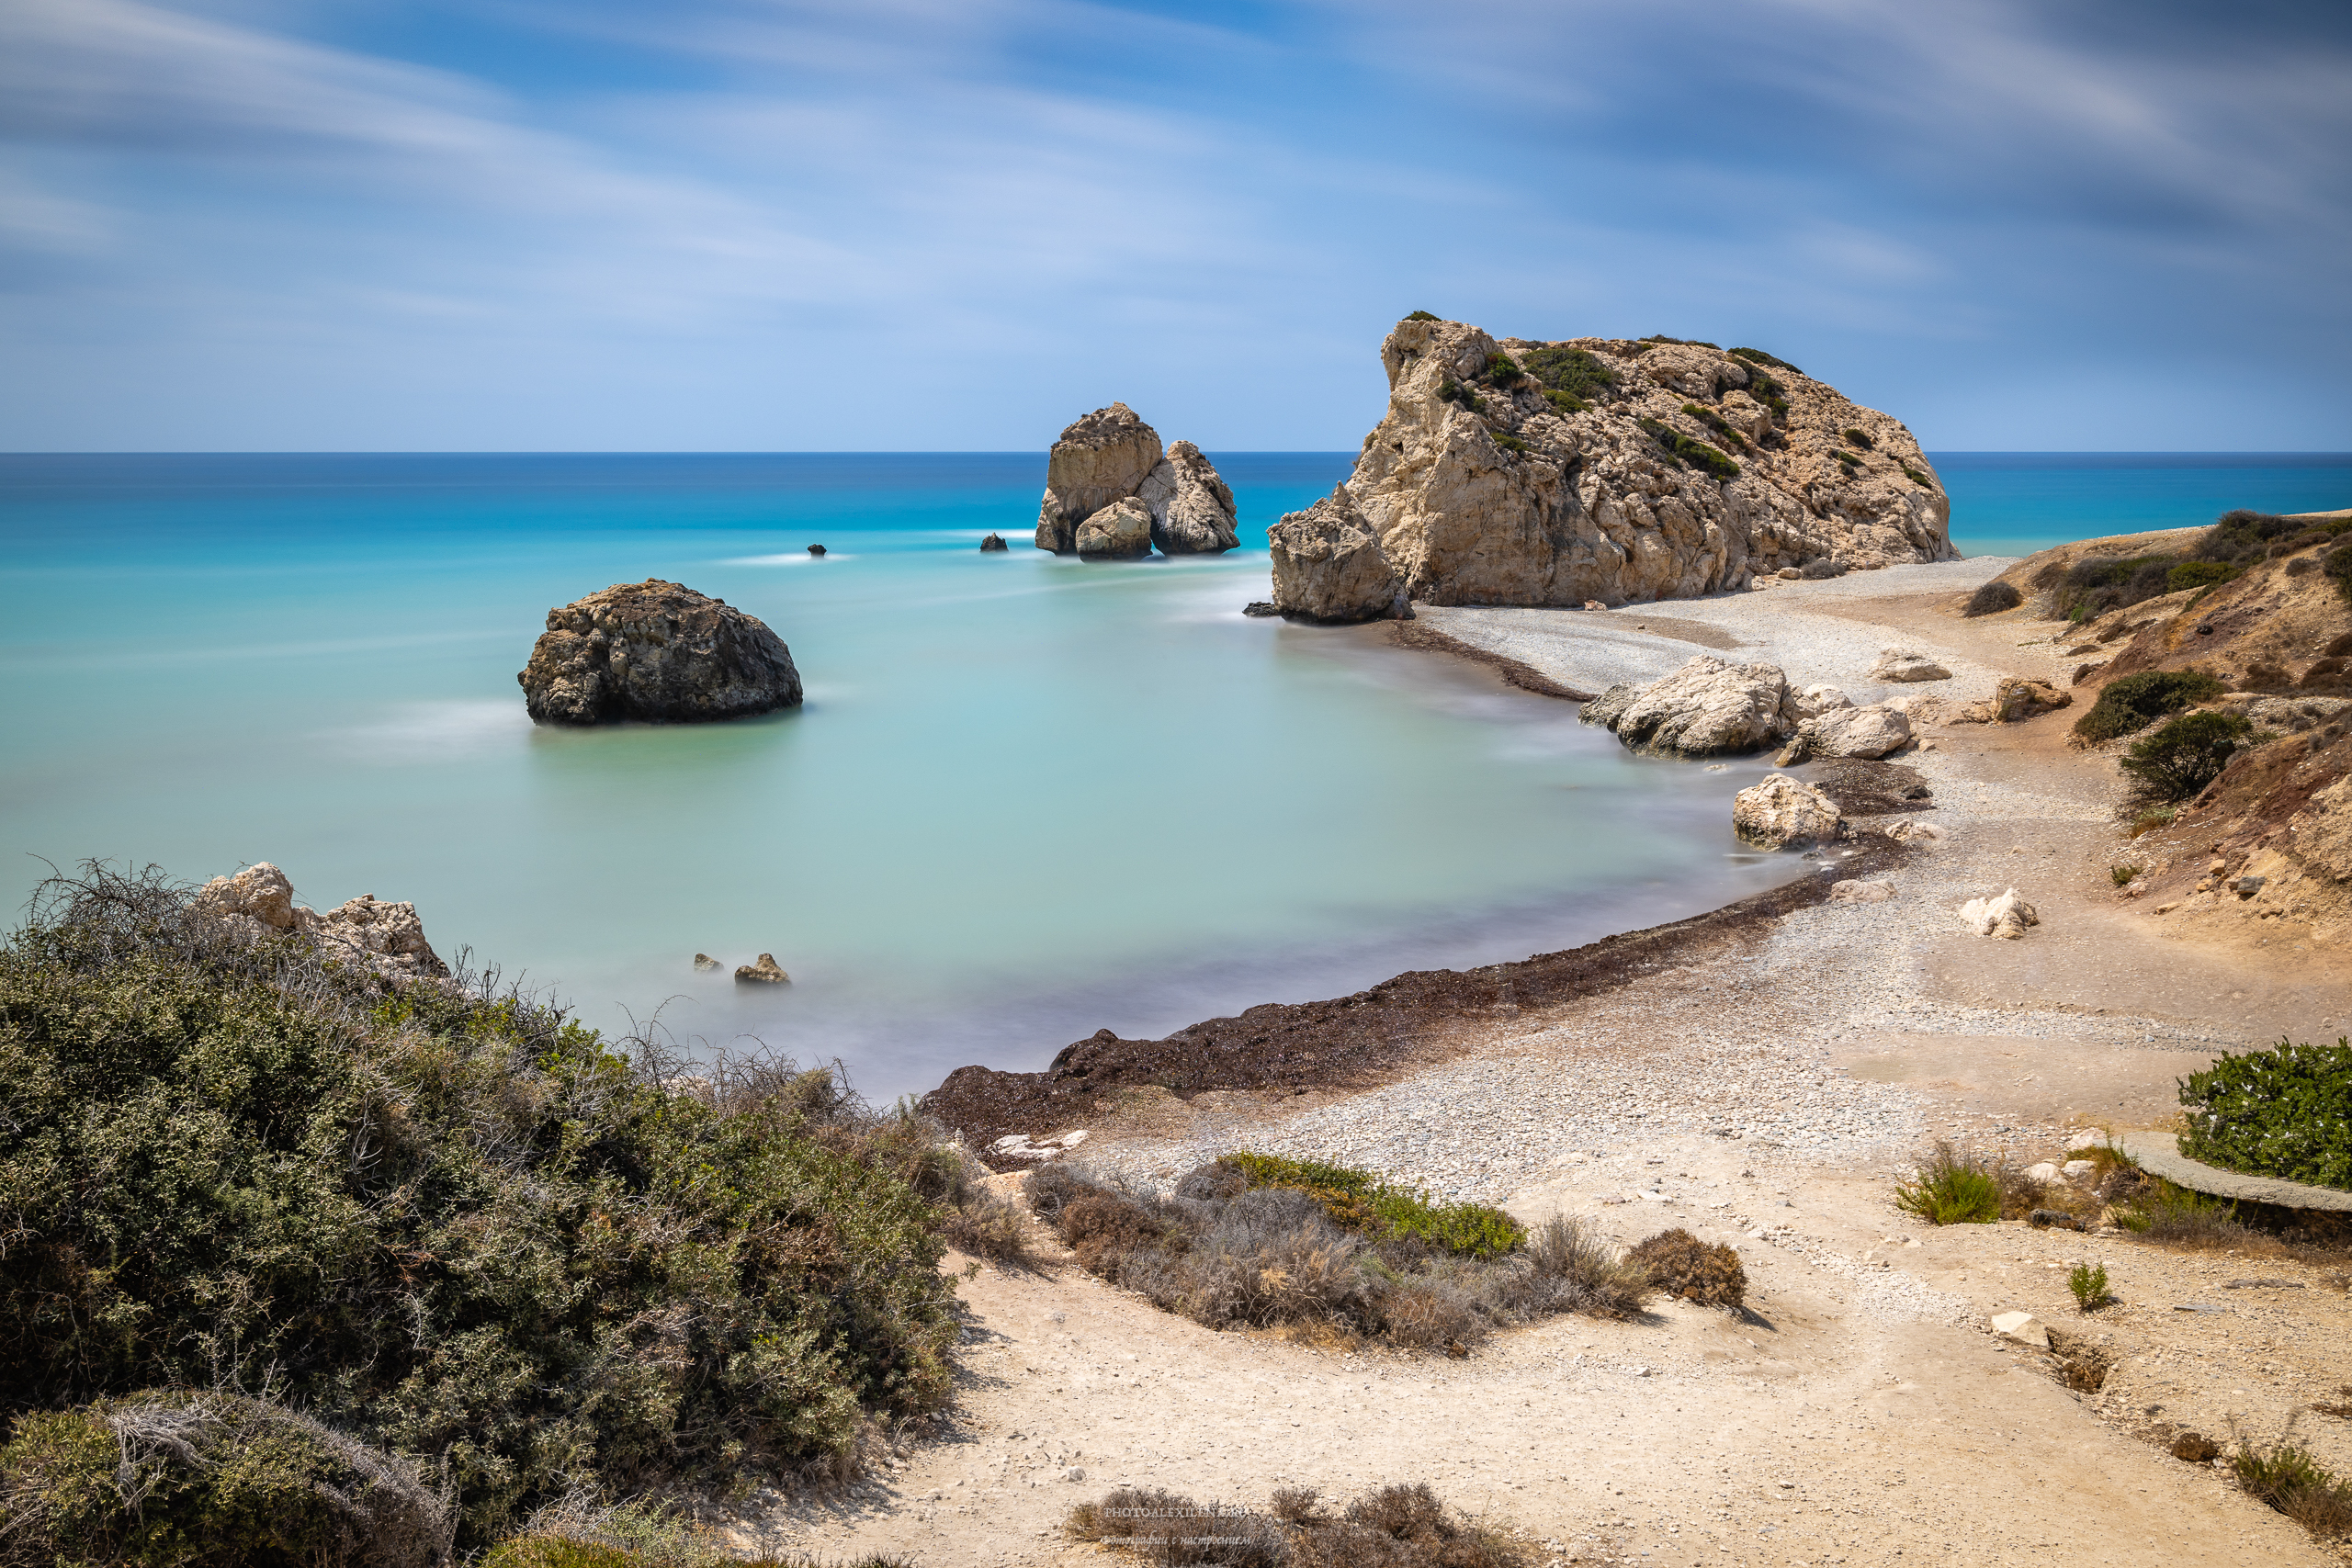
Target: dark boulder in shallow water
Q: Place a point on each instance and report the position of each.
(766, 972)
(816, 550)
(993, 542)
(657, 652)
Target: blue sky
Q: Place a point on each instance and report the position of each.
(761, 224)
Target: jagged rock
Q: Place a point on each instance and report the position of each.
(260, 893)
(1101, 459)
(1707, 708)
(1814, 701)
(704, 961)
(1874, 731)
(993, 542)
(1484, 490)
(1111, 456)
(816, 550)
(2006, 915)
(1329, 566)
(1902, 665)
(1858, 892)
(658, 651)
(1121, 531)
(365, 932)
(1191, 506)
(1781, 813)
(2016, 698)
(1260, 607)
(765, 973)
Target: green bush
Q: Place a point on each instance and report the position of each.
(2197, 574)
(2337, 564)
(1582, 376)
(178, 1479)
(1686, 341)
(2287, 1477)
(2088, 1283)
(1715, 423)
(1766, 390)
(2183, 756)
(1916, 478)
(1951, 1188)
(1565, 401)
(2284, 1112)
(2131, 703)
(1502, 370)
(1358, 1201)
(452, 1223)
(1681, 448)
(1861, 438)
(1507, 441)
(1757, 356)
(1993, 598)
(1454, 393)
(1423, 316)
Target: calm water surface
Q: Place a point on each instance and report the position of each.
(1027, 797)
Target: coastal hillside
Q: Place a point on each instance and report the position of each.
(1557, 473)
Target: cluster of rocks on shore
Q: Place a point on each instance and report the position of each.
(366, 933)
(1712, 707)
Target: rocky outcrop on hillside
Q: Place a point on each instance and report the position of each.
(1522, 473)
(657, 652)
(365, 932)
(1113, 493)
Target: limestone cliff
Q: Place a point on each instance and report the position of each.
(1519, 472)
(1112, 491)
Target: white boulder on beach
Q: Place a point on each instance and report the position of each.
(1781, 813)
(1709, 707)
(2003, 915)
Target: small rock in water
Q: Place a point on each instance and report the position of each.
(765, 972)
(705, 960)
(1260, 607)
(994, 542)
(816, 550)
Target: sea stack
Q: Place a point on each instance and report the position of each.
(656, 652)
(1608, 470)
(1113, 493)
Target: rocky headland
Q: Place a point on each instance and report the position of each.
(658, 652)
(1604, 470)
(1114, 493)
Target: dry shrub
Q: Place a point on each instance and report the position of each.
(1682, 1265)
(1396, 1526)
(1229, 1255)
(2284, 1474)
(2194, 1447)
(987, 1225)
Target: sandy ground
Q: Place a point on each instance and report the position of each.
(1861, 1412)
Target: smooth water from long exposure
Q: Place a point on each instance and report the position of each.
(1026, 798)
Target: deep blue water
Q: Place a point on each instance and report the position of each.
(1027, 797)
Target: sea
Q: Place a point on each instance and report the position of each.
(1027, 798)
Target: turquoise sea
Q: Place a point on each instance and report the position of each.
(1027, 797)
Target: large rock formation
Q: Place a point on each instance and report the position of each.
(1329, 565)
(1112, 458)
(658, 651)
(1709, 707)
(1517, 472)
(366, 933)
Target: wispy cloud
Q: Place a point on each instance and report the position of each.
(565, 222)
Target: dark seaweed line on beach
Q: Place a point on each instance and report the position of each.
(1526, 677)
(1373, 1036)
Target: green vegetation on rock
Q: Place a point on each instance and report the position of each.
(1573, 373)
(2284, 1112)
(1681, 448)
(1358, 1201)
(1423, 316)
(1757, 356)
(2183, 756)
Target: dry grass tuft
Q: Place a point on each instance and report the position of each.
(1682, 1265)
(1396, 1526)
(1228, 1256)
(2284, 1474)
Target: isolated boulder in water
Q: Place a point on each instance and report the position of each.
(658, 651)
(1900, 664)
(1101, 459)
(1707, 708)
(766, 972)
(1120, 531)
(1191, 506)
(1329, 565)
(1781, 813)
(993, 542)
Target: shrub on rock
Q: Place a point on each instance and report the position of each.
(2184, 755)
(1682, 1265)
(2131, 703)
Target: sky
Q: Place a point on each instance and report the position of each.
(558, 225)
